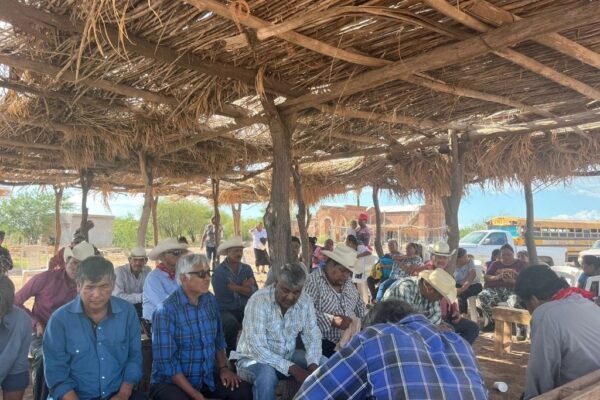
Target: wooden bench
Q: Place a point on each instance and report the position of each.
(585, 388)
(503, 318)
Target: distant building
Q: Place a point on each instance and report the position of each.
(423, 223)
(101, 235)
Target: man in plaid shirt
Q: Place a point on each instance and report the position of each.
(399, 356)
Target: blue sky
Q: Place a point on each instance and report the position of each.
(579, 199)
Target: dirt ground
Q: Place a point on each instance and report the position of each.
(509, 368)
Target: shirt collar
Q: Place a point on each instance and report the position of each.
(183, 299)
(76, 306)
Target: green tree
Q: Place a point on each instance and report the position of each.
(182, 218)
(125, 232)
(29, 215)
(478, 226)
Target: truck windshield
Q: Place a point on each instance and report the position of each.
(596, 245)
(473, 237)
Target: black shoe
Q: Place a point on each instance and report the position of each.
(489, 327)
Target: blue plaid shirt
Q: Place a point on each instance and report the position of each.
(407, 360)
(186, 339)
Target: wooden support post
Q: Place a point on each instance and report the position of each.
(214, 182)
(58, 196)
(452, 202)
(237, 219)
(378, 245)
(148, 176)
(529, 239)
(301, 215)
(504, 317)
(85, 178)
(277, 215)
(155, 220)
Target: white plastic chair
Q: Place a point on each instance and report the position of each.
(472, 301)
(364, 265)
(571, 274)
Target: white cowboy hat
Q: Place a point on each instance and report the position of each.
(441, 249)
(137, 252)
(230, 243)
(80, 252)
(442, 282)
(166, 245)
(344, 255)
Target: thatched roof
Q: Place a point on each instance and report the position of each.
(106, 85)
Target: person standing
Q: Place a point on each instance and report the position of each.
(259, 242)
(363, 233)
(129, 284)
(209, 239)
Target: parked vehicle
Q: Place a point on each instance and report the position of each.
(593, 251)
(482, 243)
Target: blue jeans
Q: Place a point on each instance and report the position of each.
(383, 286)
(264, 378)
(466, 328)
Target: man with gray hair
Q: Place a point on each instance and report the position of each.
(275, 316)
(92, 346)
(188, 344)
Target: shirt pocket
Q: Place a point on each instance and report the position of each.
(79, 351)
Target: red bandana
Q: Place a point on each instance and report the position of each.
(163, 268)
(566, 292)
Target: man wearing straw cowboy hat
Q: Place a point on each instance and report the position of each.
(160, 283)
(425, 292)
(334, 296)
(130, 278)
(233, 282)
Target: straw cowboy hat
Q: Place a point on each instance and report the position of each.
(137, 252)
(230, 243)
(166, 245)
(80, 252)
(344, 255)
(442, 282)
(441, 249)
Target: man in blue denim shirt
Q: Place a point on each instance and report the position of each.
(92, 346)
(233, 283)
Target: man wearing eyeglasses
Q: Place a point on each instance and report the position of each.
(130, 279)
(188, 345)
(161, 282)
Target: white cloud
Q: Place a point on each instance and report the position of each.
(581, 215)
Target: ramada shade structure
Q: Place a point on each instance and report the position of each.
(164, 96)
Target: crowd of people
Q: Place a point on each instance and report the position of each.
(310, 323)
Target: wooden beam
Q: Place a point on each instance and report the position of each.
(528, 63)
(499, 38)
(18, 14)
(530, 222)
(490, 13)
(147, 173)
(301, 40)
(33, 146)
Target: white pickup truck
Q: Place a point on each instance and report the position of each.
(482, 243)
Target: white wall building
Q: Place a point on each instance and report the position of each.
(101, 235)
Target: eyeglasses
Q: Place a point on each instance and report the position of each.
(176, 253)
(205, 273)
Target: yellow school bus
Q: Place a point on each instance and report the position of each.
(574, 235)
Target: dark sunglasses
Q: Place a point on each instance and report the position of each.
(176, 253)
(200, 274)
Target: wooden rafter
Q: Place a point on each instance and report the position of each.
(528, 63)
(499, 38)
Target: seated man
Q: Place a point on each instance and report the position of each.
(564, 330)
(129, 284)
(424, 294)
(15, 336)
(334, 296)
(188, 345)
(51, 290)
(92, 346)
(160, 283)
(275, 316)
(233, 283)
(399, 355)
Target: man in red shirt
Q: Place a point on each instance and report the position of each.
(50, 290)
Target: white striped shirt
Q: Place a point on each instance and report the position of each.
(329, 303)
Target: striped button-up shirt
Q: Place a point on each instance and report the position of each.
(329, 303)
(269, 337)
(407, 290)
(402, 361)
(186, 339)
(398, 272)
